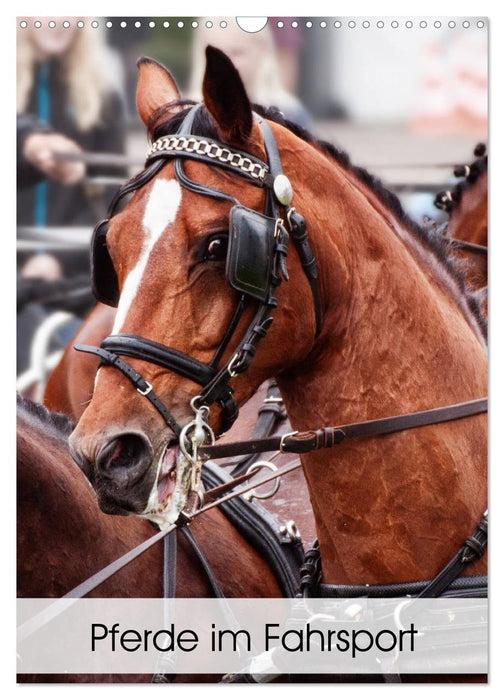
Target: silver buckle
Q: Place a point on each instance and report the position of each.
(230, 370)
(281, 448)
(146, 391)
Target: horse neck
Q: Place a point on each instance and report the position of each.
(395, 339)
(61, 529)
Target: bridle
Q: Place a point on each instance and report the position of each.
(255, 266)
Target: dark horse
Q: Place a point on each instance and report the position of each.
(63, 538)
(467, 207)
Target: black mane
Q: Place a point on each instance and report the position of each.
(203, 125)
(59, 424)
(449, 200)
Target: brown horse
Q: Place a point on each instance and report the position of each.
(467, 207)
(398, 333)
(70, 386)
(63, 538)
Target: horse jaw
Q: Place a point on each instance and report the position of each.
(169, 497)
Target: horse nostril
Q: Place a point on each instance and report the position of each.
(129, 452)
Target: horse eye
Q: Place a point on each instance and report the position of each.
(217, 248)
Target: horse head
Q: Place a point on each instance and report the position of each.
(194, 263)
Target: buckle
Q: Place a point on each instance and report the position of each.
(147, 390)
(282, 440)
(231, 363)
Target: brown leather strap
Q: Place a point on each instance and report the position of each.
(301, 443)
(219, 491)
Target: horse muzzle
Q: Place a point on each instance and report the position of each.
(121, 469)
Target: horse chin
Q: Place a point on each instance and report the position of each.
(111, 508)
(169, 493)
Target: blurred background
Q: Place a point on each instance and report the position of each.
(406, 98)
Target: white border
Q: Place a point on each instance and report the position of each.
(7, 277)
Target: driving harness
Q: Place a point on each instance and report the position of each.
(255, 266)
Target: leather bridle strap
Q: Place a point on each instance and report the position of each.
(216, 589)
(473, 548)
(143, 387)
(301, 443)
(169, 358)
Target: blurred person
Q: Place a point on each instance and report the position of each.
(288, 43)
(70, 82)
(255, 58)
(37, 154)
(69, 99)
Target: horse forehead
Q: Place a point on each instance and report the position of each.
(162, 205)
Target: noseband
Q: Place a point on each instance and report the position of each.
(255, 266)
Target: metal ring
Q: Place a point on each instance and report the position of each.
(198, 409)
(230, 370)
(249, 495)
(291, 530)
(182, 439)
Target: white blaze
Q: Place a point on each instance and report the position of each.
(160, 212)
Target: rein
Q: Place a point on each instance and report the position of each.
(308, 441)
(29, 627)
(289, 443)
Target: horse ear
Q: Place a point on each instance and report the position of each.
(225, 97)
(157, 93)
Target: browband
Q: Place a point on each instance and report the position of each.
(211, 152)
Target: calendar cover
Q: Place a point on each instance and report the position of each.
(252, 349)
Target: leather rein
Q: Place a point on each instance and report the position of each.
(296, 443)
(446, 580)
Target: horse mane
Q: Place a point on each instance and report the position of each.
(203, 125)
(56, 425)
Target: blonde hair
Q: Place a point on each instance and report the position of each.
(89, 70)
(266, 87)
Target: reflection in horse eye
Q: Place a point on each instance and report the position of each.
(217, 249)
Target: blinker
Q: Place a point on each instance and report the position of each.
(251, 252)
(104, 281)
